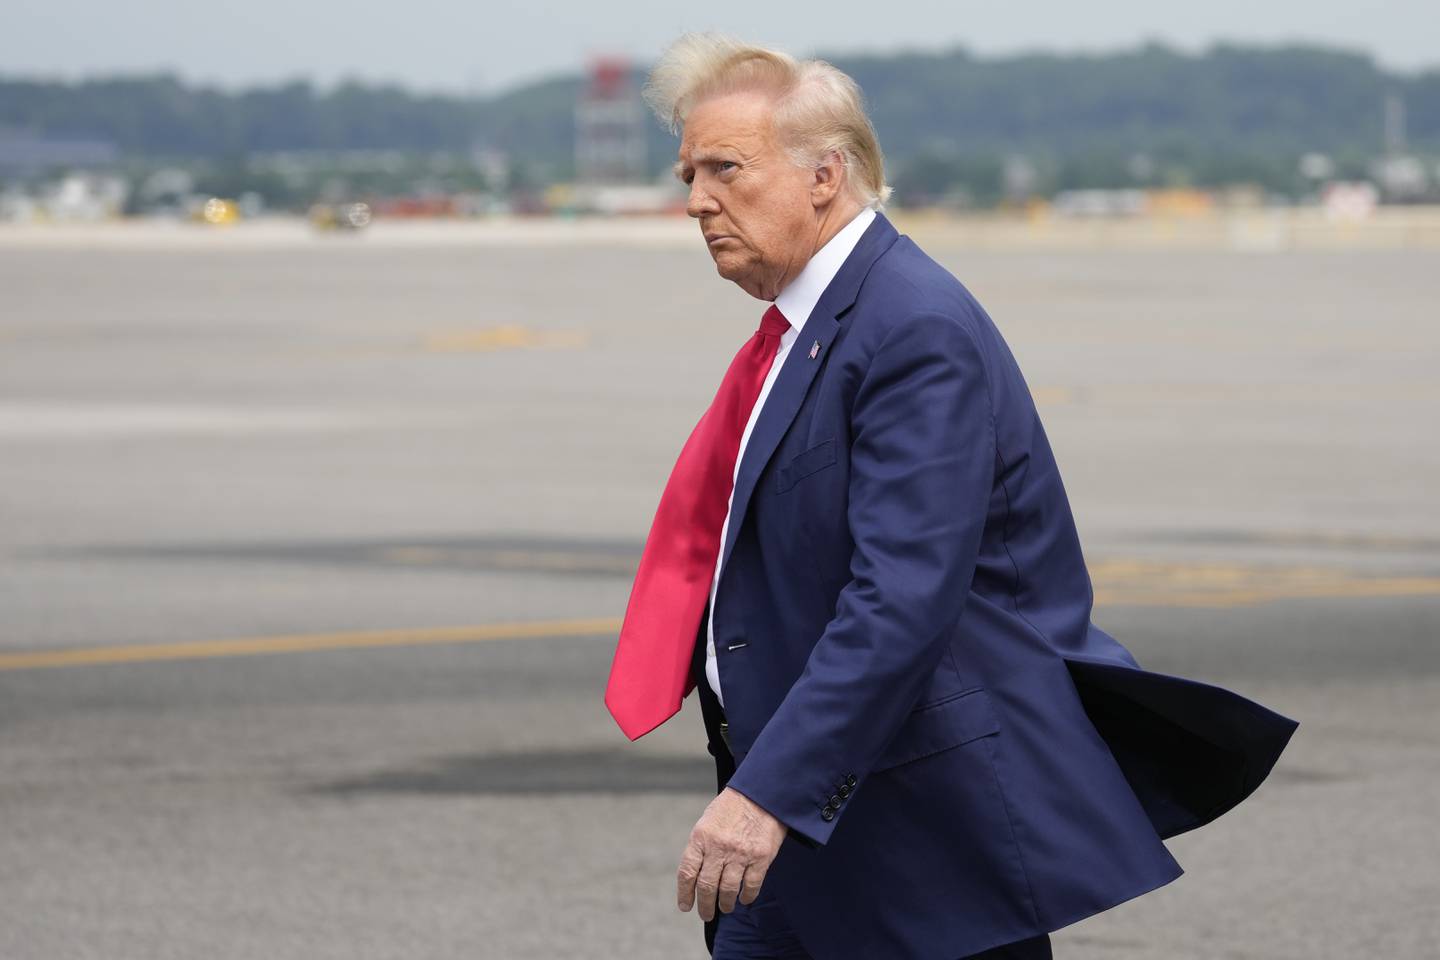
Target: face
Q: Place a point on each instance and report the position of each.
(757, 209)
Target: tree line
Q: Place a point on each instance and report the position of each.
(1152, 113)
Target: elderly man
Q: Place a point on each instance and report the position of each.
(865, 561)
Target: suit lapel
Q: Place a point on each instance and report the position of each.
(796, 374)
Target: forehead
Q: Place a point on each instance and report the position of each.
(733, 121)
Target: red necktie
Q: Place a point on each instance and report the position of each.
(650, 674)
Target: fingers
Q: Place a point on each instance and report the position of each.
(727, 856)
(707, 885)
(754, 877)
(688, 873)
(730, 878)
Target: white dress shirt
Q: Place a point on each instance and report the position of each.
(795, 302)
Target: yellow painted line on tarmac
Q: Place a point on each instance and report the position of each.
(526, 560)
(1393, 587)
(1161, 584)
(509, 336)
(1116, 583)
(1146, 394)
(1049, 396)
(302, 642)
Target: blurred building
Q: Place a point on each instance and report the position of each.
(610, 126)
(1400, 175)
(1349, 200)
(51, 178)
(24, 154)
(1099, 203)
(74, 196)
(611, 168)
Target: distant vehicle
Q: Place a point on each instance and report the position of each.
(396, 208)
(340, 216)
(219, 211)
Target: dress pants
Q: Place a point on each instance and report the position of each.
(759, 931)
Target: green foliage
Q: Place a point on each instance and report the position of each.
(949, 121)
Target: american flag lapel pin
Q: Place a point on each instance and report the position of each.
(814, 349)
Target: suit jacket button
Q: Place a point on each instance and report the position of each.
(843, 790)
(850, 779)
(835, 801)
(827, 814)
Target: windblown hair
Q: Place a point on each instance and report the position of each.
(819, 110)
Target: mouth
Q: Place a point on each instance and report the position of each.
(713, 238)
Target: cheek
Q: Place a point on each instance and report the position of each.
(775, 226)
(779, 237)
(761, 230)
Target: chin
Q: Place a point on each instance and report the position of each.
(729, 267)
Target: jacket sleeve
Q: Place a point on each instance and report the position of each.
(922, 465)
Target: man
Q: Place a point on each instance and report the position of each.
(865, 561)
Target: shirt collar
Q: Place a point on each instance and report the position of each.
(799, 297)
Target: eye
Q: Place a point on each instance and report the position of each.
(721, 166)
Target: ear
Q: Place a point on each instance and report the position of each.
(829, 178)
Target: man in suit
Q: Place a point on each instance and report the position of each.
(866, 563)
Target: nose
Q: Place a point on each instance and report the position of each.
(700, 202)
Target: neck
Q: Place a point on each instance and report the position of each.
(829, 221)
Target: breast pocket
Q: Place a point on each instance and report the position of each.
(818, 457)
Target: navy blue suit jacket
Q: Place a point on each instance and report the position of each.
(902, 625)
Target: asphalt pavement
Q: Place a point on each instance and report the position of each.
(311, 563)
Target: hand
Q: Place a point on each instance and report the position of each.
(729, 851)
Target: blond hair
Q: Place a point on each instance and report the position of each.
(819, 109)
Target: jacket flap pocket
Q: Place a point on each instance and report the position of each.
(933, 727)
(805, 463)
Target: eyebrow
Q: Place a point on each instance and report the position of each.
(703, 156)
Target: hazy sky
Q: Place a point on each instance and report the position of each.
(486, 46)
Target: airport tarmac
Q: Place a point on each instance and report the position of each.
(312, 557)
